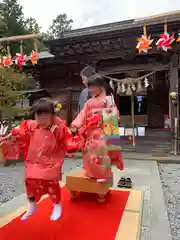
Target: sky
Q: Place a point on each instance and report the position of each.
(87, 13)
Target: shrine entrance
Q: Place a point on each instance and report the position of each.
(151, 112)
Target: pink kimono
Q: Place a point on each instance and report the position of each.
(97, 160)
(44, 152)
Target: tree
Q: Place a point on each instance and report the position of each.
(11, 82)
(31, 25)
(60, 25)
(12, 16)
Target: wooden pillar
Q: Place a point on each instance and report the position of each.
(69, 105)
(174, 105)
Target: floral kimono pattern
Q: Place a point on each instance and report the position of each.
(96, 158)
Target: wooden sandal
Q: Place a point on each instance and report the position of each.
(122, 183)
(128, 183)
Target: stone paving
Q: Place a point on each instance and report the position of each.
(145, 176)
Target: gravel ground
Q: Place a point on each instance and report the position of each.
(12, 179)
(11, 182)
(170, 177)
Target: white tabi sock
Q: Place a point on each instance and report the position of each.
(56, 213)
(31, 210)
(101, 180)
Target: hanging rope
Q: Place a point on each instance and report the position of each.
(135, 80)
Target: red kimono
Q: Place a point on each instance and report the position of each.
(44, 151)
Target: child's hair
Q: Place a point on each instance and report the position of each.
(43, 106)
(99, 81)
(87, 71)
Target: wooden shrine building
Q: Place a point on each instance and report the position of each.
(111, 49)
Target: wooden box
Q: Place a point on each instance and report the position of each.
(76, 182)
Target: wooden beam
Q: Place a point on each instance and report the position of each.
(107, 45)
(87, 48)
(97, 46)
(78, 49)
(68, 49)
(117, 44)
(20, 37)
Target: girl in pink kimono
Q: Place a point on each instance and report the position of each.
(44, 142)
(97, 160)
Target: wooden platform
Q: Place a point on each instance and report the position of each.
(130, 226)
(76, 182)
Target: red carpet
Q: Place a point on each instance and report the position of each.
(82, 219)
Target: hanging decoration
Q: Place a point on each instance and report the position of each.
(178, 39)
(20, 59)
(131, 85)
(7, 61)
(139, 86)
(165, 41)
(123, 88)
(145, 42)
(34, 57)
(146, 83)
(119, 89)
(129, 90)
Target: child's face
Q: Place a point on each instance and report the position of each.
(95, 90)
(44, 119)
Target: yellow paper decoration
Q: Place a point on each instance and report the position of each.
(144, 44)
(59, 105)
(178, 39)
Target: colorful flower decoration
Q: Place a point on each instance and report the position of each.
(34, 57)
(144, 44)
(20, 59)
(7, 61)
(165, 41)
(178, 39)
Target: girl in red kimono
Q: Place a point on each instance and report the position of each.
(97, 160)
(44, 143)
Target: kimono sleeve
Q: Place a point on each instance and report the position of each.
(70, 144)
(79, 121)
(22, 131)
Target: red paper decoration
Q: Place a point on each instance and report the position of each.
(20, 59)
(165, 41)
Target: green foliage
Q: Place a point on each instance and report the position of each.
(60, 25)
(10, 83)
(14, 24)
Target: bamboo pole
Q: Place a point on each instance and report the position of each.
(145, 30)
(165, 26)
(8, 50)
(20, 37)
(35, 45)
(21, 47)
